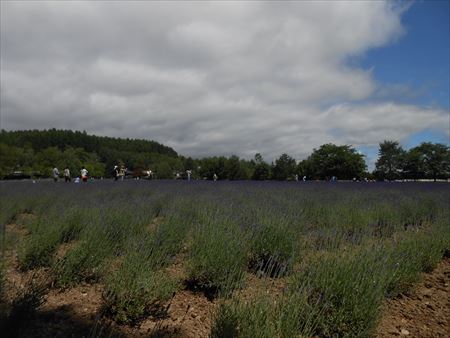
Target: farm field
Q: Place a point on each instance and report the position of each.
(219, 259)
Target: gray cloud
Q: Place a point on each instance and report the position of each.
(205, 78)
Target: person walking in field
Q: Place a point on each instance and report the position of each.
(55, 174)
(122, 173)
(67, 175)
(84, 175)
(215, 177)
(189, 172)
(116, 173)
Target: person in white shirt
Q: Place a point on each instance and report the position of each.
(55, 174)
(67, 175)
(116, 173)
(84, 175)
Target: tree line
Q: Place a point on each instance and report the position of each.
(428, 160)
(36, 152)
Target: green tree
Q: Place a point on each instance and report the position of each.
(390, 160)
(329, 160)
(163, 170)
(233, 169)
(262, 169)
(95, 169)
(435, 159)
(284, 167)
(413, 166)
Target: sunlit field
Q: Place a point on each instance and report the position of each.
(334, 251)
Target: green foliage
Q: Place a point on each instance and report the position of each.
(38, 249)
(413, 255)
(347, 291)
(389, 163)
(346, 247)
(329, 160)
(163, 170)
(135, 289)
(262, 316)
(236, 319)
(261, 171)
(284, 168)
(139, 287)
(413, 167)
(76, 139)
(272, 249)
(168, 238)
(28, 300)
(83, 262)
(37, 152)
(435, 159)
(2, 282)
(217, 257)
(72, 223)
(234, 169)
(427, 160)
(337, 293)
(15, 158)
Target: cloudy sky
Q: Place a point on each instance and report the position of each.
(222, 78)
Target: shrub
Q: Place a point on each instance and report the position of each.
(2, 281)
(136, 290)
(72, 224)
(346, 291)
(263, 316)
(272, 250)
(38, 248)
(412, 255)
(217, 258)
(83, 262)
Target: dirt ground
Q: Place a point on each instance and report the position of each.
(424, 312)
(75, 312)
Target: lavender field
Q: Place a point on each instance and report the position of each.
(335, 251)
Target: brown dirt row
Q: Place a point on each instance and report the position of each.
(424, 312)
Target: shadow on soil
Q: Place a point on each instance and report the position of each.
(62, 323)
(195, 286)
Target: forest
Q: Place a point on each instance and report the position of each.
(34, 153)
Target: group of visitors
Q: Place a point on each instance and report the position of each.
(67, 177)
(118, 173)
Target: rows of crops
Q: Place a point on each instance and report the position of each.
(338, 248)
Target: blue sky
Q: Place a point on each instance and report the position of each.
(415, 68)
(420, 59)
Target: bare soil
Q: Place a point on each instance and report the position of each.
(424, 312)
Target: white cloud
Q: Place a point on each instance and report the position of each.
(206, 78)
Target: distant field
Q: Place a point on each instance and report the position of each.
(265, 259)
